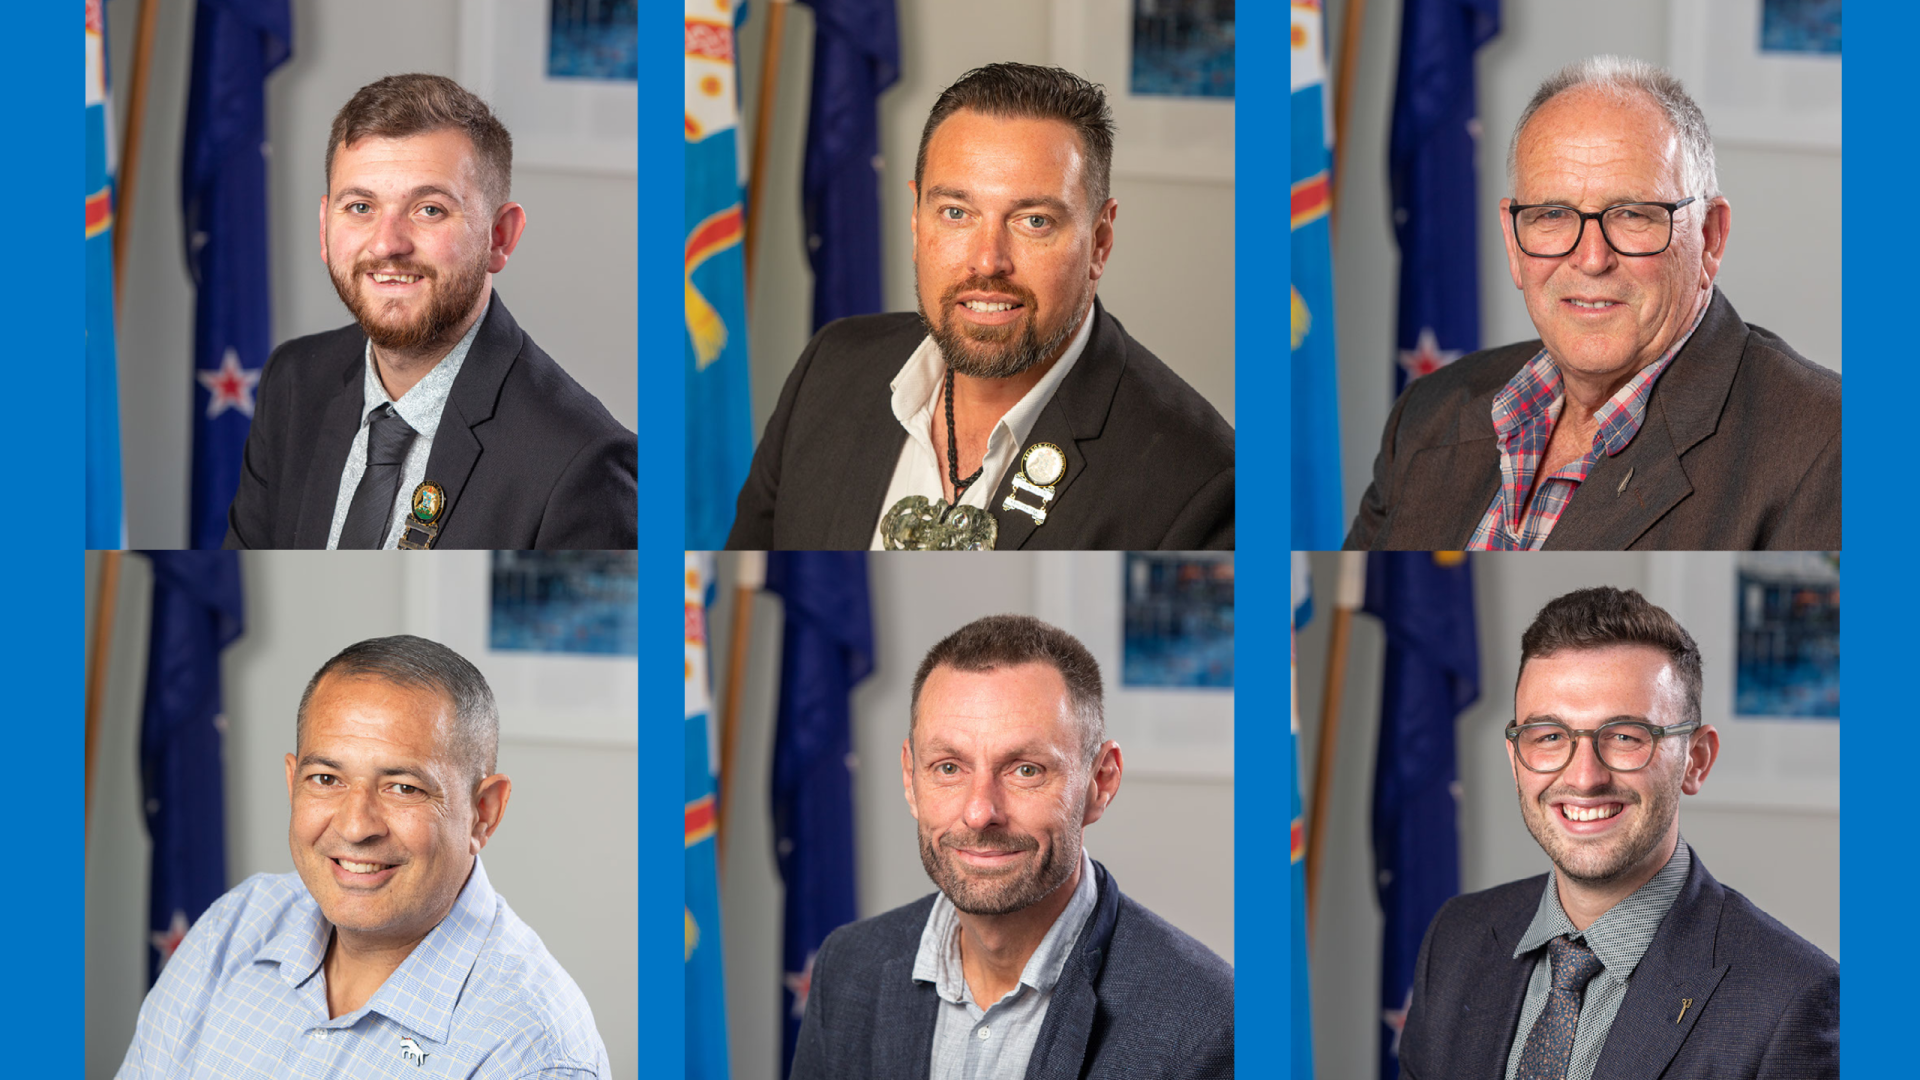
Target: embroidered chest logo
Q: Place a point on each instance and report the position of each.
(410, 1051)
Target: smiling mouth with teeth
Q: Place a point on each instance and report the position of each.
(1589, 813)
(403, 279)
(986, 308)
(1593, 305)
(361, 867)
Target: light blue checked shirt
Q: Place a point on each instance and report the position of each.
(479, 997)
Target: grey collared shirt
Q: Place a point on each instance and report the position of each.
(970, 1043)
(1619, 938)
(420, 407)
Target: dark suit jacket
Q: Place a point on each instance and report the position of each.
(1739, 449)
(1149, 462)
(1766, 1004)
(528, 458)
(1137, 1000)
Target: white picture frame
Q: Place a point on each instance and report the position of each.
(1787, 100)
(1158, 138)
(1184, 733)
(543, 697)
(569, 125)
(1769, 763)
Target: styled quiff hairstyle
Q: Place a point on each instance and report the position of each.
(401, 106)
(1002, 641)
(1028, 92)
(1625, 79)
(1603, 617)
(415, 662)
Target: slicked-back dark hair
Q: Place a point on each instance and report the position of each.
(401, 106)
(415, 662)
(1030, 92)
(1002, 641)
(1603, 617)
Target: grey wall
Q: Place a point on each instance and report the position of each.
(1170, 279)
(1786, 861)
(571, 283)
(565, 856)
(1782, 267)
(1169, 842)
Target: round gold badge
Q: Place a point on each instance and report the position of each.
(1044, 464)
(429, 499)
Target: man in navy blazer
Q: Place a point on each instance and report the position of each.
(1628, 961)
(1028, 961)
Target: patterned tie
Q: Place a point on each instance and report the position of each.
(371, 511)
(1551, 1042)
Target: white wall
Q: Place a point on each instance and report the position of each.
(565, 856)
(1786, 861)
(570, 284)
(1170, 279)
(1168, 842)
(1782, 267)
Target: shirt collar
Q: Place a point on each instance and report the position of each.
(917, 387)
(938, 961)
(422, 404)
(1621, 935)
(422, 991)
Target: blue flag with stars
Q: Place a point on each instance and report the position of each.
(223, 200)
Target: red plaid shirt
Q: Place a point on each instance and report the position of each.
(1524, 413)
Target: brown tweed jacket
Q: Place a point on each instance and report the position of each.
(1739, 450)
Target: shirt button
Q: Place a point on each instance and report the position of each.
(984, 1032)
(320, 1033)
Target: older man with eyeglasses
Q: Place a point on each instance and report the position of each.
(1648, 415)
(1628, 959)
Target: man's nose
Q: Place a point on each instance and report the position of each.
(392, 236)
(359, 818)
(983, 809)
(992, 254)
(1592, 255)
(1586, 771)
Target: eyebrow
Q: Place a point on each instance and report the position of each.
(1543, 718)
(1047, 202)
(385, 770)
(936, 750)
(420, 192)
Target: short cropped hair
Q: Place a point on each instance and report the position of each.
(1029, 92)
(1002, 641)
(1603, 617)
(1622, 77)
(415, 662)
(401, 106)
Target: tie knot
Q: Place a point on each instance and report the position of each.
(1574, 965)
(388, 437)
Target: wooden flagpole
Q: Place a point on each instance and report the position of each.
(1350, 29)
(129, 171)
(1348, 595)
(105, 602)
(763, 131)
(750, 574)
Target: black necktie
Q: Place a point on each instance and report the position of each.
(372, 508)
(1551, 1042)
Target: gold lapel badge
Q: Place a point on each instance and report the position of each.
(1041, 467)
(423, 522)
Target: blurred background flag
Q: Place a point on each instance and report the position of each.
(197, 612)
(104, 510)
(1424, 600)
(856, 55)
(706, 999)
(719, 413)
(1302, 1031)
(1430, 161)
(223, 204)
(826, 648)
(1319, 510)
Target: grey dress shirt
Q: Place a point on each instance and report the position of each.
(1619, 938)
(971, 1043)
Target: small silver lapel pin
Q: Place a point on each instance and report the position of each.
(1622, 489)
(410, 1051)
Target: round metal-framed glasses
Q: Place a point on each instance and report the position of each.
(1546, 746)
(1635, 229)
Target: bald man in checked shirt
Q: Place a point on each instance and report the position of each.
(389, 947)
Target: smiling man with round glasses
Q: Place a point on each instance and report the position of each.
(1628, 958)
(1647, 415)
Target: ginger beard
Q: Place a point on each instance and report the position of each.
(1019, 885)
(1601, 859)
(998, 352)
(448, 302)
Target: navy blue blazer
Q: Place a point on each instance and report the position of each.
(1766, 1003)
(1137, 1000)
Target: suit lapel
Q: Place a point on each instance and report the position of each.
(869, 456)
(338, 427)
(903, 1042)
(1626, 495)
(471, 402)
(1654, 1018)
(1497, 997)
(1076, 412)
(1434, 514)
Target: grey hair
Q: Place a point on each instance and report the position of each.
(1002, 641)
(406, 660)
(1622, 77)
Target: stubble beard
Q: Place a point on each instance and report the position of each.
(997, 352)
(1604, 860)
(978, 893)
(449, 301)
